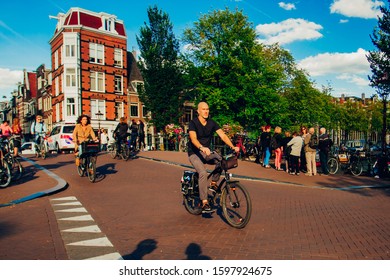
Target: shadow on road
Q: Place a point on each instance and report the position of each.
(143, 248)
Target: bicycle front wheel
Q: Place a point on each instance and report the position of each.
(356, 168)
(5, 175)
(236, 205)
(125, 153)
(91, 169)
(80, 168)
(333, 165)
(113, 152)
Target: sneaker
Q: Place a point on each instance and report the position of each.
(213, 187)
(297, 173)
(207, 209)
(291, 173)
(308, 174)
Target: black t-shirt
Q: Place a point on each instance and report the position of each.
(204, 133)
(121, 129)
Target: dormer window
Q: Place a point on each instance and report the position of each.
(108, 23)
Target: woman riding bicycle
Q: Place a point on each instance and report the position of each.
(82, 132)
(201, 131)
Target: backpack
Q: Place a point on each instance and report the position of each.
(274, 143)
(313, 143)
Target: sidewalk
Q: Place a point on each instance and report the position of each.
(252, 171)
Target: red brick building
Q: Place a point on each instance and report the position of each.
(89, 68)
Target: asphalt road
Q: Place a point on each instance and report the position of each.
(135, 211)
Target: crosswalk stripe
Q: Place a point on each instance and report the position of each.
(80, 232)
(76, 210)
(112, 256)
(78, 218)
(64, 198)
(93, 228)
(98, 242)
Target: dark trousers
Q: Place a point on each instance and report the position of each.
(324, 161)
(294, 161)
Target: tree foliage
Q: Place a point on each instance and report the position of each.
(159, 65)
(380, 63)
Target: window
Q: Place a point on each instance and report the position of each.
(118, 84)
(98, 105)
(70, 77)
(70, 46)
(70, 107)
(134, 110)
(108, 24)
(118, 58)
(96, 53)
(97, 81)
(118, 110)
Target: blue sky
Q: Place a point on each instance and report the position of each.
(328, 38)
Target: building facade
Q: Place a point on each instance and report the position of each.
(89, 68)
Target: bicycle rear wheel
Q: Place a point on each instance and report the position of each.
(236, 205)
(16, 169)
(356, 168)
(5, 175)
(333, 165)
(192, 204)
(91, 168)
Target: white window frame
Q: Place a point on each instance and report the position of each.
(96, 106)
(70, 107)
(131, 106)
(119, 110)
(118, 84)
(70, 77)
(97, 81)
(96, 53)
(118, 57)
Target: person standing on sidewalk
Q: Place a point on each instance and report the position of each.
(265, 139)
(296, 144)
(201, 131)
(310, 154)
(277, 146)
(324, 145)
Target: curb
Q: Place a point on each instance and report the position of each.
(61, 185)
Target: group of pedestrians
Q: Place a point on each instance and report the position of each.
(298, 148)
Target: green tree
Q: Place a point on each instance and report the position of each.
(380, 63)
(227, 70)
(160, 68)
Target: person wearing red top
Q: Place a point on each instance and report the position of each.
(6, 130)
(18, 135)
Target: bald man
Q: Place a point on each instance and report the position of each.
(201, 131)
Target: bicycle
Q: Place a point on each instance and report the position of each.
(230, 196)
(14, 163)
(348, 161)
(40, 147)
(124, 153)
(5, 171)
(88, 154)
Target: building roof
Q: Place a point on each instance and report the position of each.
(134, 74)
(80, 17)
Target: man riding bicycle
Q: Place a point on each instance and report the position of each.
(201, 131)
(120, 133)
(38, 130)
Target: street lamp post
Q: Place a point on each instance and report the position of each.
(99, 115)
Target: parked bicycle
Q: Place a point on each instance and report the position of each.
(347, 161)
(88, 151)
(124, 152)
(231, 196)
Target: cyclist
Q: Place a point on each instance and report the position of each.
(38, 130)
(17, 135)
(201, 131)
(120, 133)
(82, 132)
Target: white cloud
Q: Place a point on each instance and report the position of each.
(350, 67)
(288, 31)
(287, 6)
(344, 20)
(356, 8)
(9, 79)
